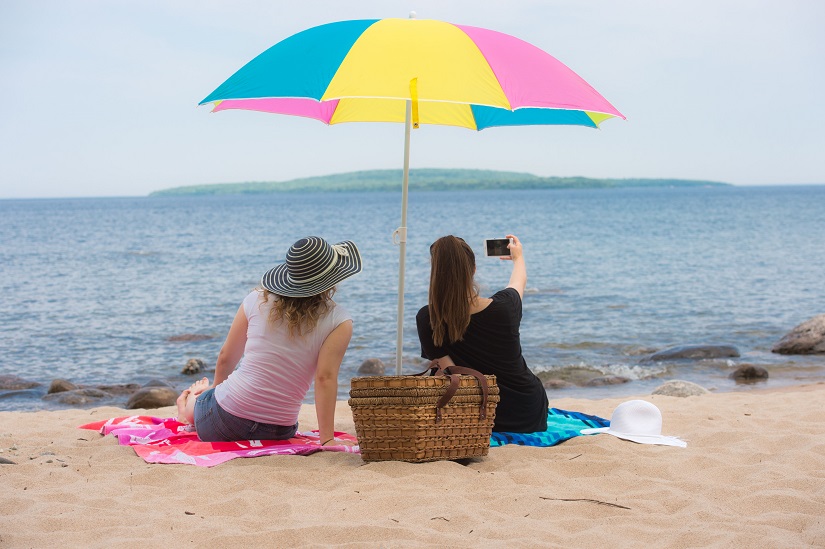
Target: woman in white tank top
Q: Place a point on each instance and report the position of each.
(286, 335)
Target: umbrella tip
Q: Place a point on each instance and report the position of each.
(412, 15)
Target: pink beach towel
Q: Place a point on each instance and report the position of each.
(166, 440)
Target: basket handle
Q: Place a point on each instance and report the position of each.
(482, 382)
(438, 370)
(445, 398)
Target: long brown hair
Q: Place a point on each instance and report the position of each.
(301, 314)
(452, 288)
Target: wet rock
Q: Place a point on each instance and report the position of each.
(572, 374)
(749, 373)
(91, 391)
(679, 388)
(152, 397)
(77, 397)
(157, 383)
(190, 337)
(10, 382)
(806, 339)
(193, 366)
(555, 383)
(120, 388)
(372, 367)
(601, 381)
(60, 386)
(694, 352)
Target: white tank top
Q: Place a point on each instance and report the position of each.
(276, 371)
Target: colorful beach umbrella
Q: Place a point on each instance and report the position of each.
(415, 71)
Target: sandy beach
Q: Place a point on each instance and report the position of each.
(753, 475)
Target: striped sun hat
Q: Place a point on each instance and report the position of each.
(313, 266)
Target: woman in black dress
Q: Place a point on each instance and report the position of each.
(460, 327)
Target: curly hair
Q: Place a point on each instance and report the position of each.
(300, 314)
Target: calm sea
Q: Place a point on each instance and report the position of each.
(92, 290)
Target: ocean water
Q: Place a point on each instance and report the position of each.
(92, 290)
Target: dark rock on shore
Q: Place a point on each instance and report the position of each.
(556, 384)
(77, 397)
(807, 338)
(601, 381)
(119, 389)
(577, 377)
(372, 367)
(679, 388)
(748, 373)
(152, 397)
(694, 352)
(65, 392)
(10, 382)
(574, 375)
(157, 383)
(61, 386)
(5, 461)
(193, 366)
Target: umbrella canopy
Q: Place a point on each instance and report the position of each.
(417, 72)
(366, 70)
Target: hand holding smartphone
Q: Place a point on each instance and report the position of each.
(497, 247)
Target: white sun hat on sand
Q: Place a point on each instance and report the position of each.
(639, 421)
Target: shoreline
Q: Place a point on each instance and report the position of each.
(752, 475)
(640, 388)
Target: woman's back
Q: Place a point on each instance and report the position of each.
(277, 368)
(491, 345)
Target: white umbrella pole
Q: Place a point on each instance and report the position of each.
(401, 234)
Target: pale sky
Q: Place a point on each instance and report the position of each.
(98, 98)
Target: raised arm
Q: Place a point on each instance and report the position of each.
(518, 278)
(232, 349)
(326, 379)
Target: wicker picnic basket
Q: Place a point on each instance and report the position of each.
(424, 418)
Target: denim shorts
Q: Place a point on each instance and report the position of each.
(214, 424)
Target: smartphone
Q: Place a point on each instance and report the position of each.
(496, 247)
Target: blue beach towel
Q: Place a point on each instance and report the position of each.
(561, 425)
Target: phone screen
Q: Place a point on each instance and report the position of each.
(497, 246)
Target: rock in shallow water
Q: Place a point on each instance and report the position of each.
(152, 397)
(679, 388)
(16, 383)
(77, 397)
(806, 339)
(749, 373)
(193, 366)
(119, 389)
(61, 386)
(556, 384)
(372, 367)
(601, 381)
(694, 352)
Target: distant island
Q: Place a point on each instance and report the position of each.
(426, 179)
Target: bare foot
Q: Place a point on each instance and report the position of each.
(181, 404)
(186, 400)
(199, 386)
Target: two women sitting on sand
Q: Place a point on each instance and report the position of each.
(285, 334)
(290, 332)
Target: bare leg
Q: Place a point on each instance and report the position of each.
(186, 400)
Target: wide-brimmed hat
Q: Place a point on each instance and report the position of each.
(639, 421)
(312, 266)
